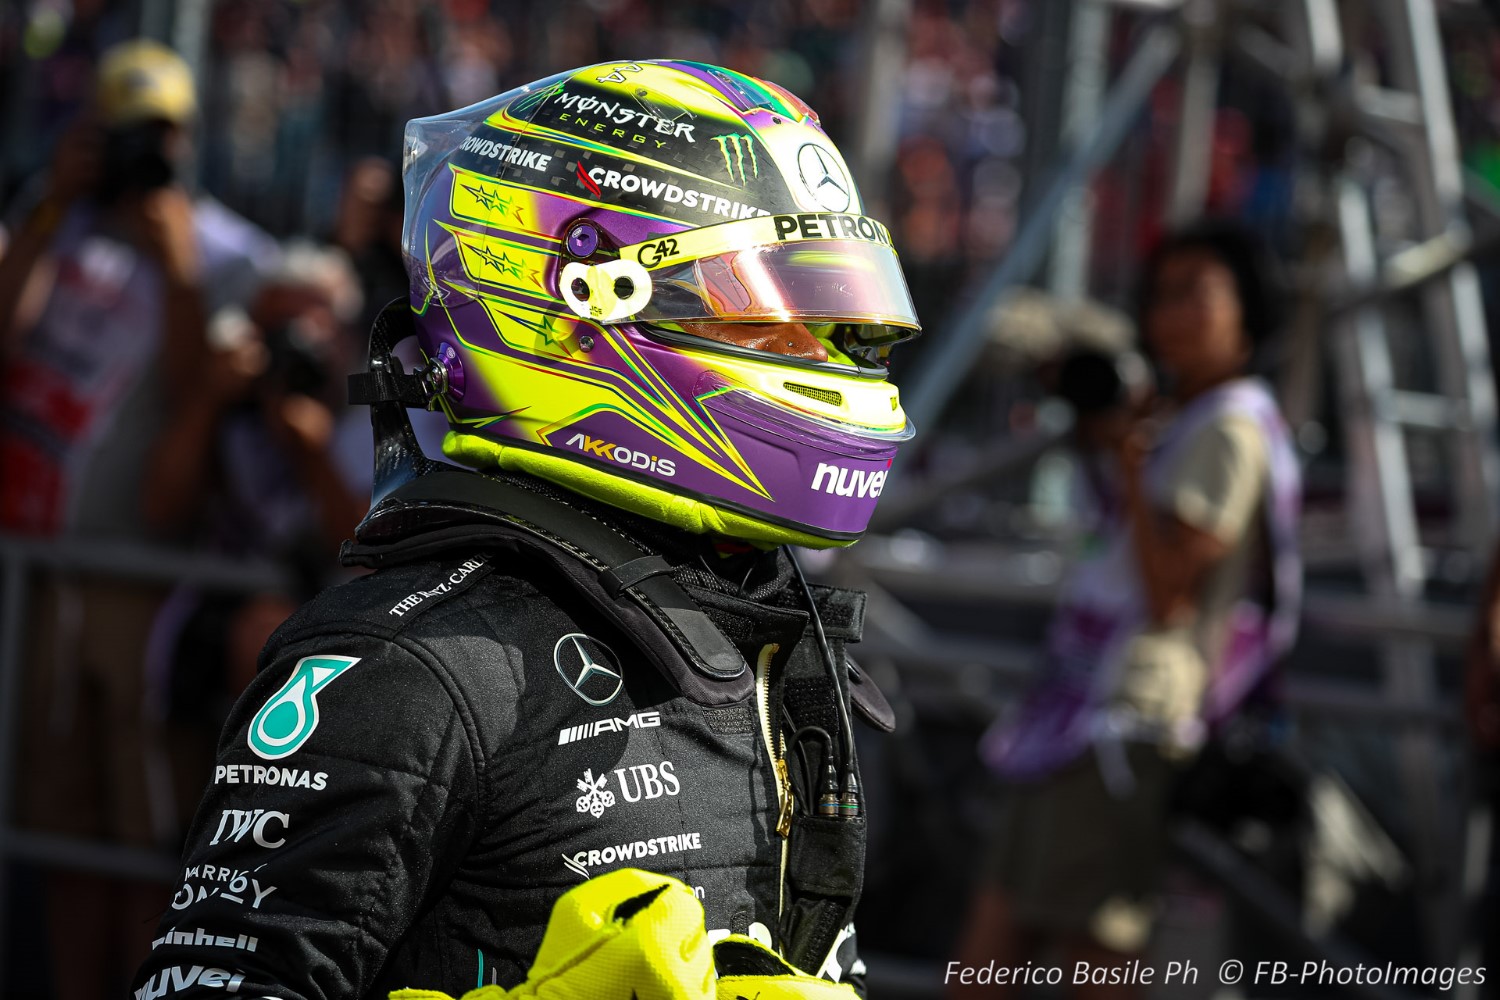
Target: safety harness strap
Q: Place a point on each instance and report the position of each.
(369, 387)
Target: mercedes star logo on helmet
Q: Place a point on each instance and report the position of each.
(823, 177)
(589, 667)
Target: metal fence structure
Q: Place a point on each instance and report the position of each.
(20, 561)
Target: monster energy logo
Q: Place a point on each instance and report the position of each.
(290, 715)
(741, 144)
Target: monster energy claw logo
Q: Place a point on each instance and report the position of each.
(290, 715)
(741, 144)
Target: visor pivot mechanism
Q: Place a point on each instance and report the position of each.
(434, 381)
(583, 240)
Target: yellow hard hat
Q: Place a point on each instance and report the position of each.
(143, 80)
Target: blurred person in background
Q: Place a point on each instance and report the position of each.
(251, 455)
(367, 227)
(262, 459)
(1176, 612)
(103, 292)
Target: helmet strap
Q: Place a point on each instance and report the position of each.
(388, 391)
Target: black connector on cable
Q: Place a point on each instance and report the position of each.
(840, 795)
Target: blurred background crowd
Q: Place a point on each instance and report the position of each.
(167, 502)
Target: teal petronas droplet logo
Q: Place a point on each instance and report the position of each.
(289, 717)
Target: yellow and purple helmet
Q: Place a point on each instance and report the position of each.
(574, 244)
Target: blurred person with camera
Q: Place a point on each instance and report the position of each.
(103, 292)
(1182, 601)
(367, 227)
(262, 460)
(258, 431)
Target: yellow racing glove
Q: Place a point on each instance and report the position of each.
(748, 970)
(632, 935)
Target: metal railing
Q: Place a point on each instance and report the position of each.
(20, 559)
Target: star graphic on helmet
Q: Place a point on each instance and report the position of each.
(501, 262)
(554, 329)
(508, 205)
(483, 196)
(489, 256)
(496, 204)
(548, 328)
(508, 266)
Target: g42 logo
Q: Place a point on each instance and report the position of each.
(652, 254)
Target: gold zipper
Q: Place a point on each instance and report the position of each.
(784, 780)
(773, 738)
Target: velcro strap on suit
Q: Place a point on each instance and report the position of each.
(637, 571)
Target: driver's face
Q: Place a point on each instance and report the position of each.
(790, 339)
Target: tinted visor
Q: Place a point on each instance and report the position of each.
(836, 273)
(819, 281)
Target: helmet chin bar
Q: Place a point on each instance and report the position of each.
(607, 292)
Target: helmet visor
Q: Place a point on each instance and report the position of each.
(807, 268)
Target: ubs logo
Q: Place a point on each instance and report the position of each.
(589, 668)
(824, 179)
(650, 781)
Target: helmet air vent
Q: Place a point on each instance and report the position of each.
(830, 396)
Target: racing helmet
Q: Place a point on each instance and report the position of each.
(591, 260)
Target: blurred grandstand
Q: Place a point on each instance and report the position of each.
(1008, 143)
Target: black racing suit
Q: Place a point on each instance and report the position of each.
(433, 753)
